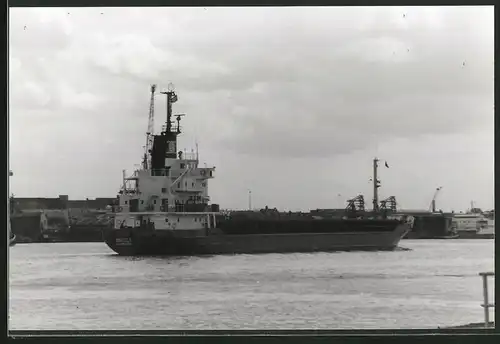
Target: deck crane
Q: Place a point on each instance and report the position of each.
(432, 207)
(149, 134)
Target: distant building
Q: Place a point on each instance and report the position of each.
(22, 204)
(47, 219)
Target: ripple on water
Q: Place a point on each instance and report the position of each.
(85, 286)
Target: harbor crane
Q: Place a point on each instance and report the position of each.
(432, 207)
(150, 133)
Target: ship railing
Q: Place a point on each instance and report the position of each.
(486, 303)
(174, 128)
(128, 192)
(189, 156)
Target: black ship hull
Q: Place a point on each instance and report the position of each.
(475, 235)
(128, 241)
(431, 226)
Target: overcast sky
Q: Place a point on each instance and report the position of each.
(291, 103)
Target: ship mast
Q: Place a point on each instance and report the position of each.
(249, 199)
(376, 185)
(171, 98)
(146, 164)
(171, 131)
(197, 153)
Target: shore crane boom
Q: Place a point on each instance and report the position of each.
(432, 207)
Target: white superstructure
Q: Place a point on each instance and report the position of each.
(177, 198)
(170, 191)
(469, 222)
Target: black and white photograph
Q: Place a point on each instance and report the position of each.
(251, 168)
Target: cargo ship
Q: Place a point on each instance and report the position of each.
(431, 226)
(164, 208)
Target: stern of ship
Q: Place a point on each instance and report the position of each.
(135, 241)
(120, 241)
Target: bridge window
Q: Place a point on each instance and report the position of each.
(182, 166)
(126, 202)
(164, 190)
(154, 201)
(210, 173)
(142, 201)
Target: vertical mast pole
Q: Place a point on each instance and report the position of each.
(375, 185)
(249, 199)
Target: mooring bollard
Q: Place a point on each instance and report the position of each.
(486, 304)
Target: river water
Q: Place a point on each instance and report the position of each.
(85, 286)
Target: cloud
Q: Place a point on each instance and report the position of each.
(330, 94)
(276, 84)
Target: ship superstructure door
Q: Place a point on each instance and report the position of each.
(134, 205)
(164, 204)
